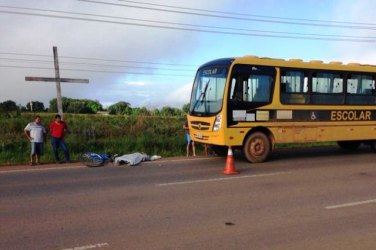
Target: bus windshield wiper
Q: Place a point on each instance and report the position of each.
(202, 95)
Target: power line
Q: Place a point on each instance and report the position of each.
(306, 37)
(197, 26)
(130, 61)
(337, 25)
(189, 25)
(99, 59)
(93, 64)
(97, 71)
(249, 15)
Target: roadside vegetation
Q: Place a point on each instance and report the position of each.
(120, 129)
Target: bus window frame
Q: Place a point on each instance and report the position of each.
(360, 96)
(233, 104)
(342, 94)
(297, 98)
(310, 95)
(272, 71)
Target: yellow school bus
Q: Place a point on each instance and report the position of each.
(253, 103)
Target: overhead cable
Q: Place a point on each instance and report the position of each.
(289, 36)
(233, 17)
(249, 15)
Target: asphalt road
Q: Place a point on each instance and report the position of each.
(320, 198)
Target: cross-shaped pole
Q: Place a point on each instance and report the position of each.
(58, 80)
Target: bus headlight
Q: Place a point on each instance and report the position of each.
(217, 123)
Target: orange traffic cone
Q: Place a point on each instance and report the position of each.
(230, 166)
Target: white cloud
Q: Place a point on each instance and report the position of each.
(37, 35)
(136, 83)
(183, 93)
(357, 13)
(178, 96)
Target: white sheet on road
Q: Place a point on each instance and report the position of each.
(134, 159)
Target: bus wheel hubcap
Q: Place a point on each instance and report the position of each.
(257, 147)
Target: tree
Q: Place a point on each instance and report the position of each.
(79, 107)
(8, 106)
(140, 111)
(35, 106)
(9, 109)
(185, 108)
(82, 106)
(156, 112)
(120, 108)
(53, 104)
(144, 111)
(168, 111)
(93, 105)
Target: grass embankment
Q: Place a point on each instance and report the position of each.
(98, 133)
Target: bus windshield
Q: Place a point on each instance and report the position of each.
(208, 89)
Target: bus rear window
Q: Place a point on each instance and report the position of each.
(361, 89)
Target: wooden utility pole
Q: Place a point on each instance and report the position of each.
(58, 88)
(58, 80)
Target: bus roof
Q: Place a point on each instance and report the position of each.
(222, 61)
(298, 63)
(293, 63)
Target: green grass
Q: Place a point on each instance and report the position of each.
(116, 134)
(120, 134)
(305, 145)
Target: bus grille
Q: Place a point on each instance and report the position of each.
(200, 125)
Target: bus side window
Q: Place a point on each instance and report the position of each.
(361, 90)
(294, 87)
(251, 86)
(327, 88)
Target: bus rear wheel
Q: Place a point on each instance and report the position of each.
(349, 145)
(256, 147)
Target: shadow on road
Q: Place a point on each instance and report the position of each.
(308, 152)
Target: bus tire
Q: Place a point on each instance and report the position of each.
(349, 145)
(256, 147)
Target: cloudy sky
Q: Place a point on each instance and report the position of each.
(145, 52)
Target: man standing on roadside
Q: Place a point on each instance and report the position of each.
(190, 142)
(36, 133)
(58, 128)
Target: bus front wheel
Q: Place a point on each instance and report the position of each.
(256, 147)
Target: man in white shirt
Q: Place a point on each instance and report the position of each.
(36, 133)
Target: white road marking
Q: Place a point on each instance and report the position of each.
(88, 246)
(351, 204)
(220, 179)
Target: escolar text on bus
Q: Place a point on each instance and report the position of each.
(353, 115)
